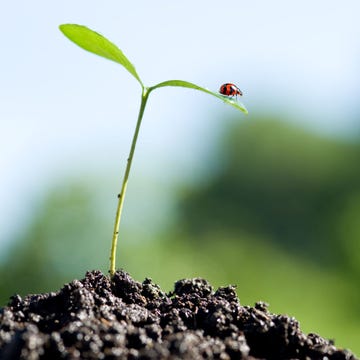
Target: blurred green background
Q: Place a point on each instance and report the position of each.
(276, 213)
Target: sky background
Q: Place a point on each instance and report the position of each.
(65, 112)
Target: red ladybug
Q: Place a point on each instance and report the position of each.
(229, 89)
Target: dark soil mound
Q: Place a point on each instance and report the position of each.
(96, 318)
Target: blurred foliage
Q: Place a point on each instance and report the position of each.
(277, 214)
(296, 188)
(60, 243)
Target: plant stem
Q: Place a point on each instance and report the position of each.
(121, 196)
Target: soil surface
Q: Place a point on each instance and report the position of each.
(99, 318)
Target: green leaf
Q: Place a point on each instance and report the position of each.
(189, 85)
(99, 45)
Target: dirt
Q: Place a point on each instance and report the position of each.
(99, 318)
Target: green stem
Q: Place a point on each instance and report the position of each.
(144, 97)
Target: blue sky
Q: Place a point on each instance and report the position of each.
(65, 112)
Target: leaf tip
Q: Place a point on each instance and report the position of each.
(62, 27)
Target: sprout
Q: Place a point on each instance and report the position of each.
(99, 45)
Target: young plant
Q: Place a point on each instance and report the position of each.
(99, 45)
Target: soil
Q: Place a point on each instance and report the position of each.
(99, 318)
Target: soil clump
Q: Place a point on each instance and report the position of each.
(99, 318)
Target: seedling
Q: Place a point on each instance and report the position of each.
(99, 45)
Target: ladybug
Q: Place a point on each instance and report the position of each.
(229, 89)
